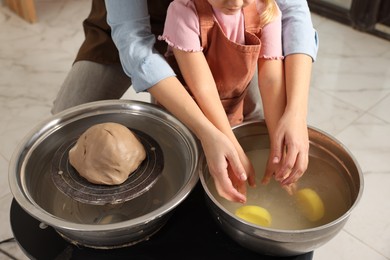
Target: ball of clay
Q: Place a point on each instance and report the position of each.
(107, 154)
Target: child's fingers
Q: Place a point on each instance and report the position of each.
(299, 169)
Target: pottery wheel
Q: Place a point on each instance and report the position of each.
(69, 181)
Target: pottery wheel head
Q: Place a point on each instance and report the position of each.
(69, 181)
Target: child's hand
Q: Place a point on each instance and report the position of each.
(238, 183)
(289, 153)
(248, 166)
(225, 166)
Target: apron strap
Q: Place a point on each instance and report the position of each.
(252, 18)
(206, 20)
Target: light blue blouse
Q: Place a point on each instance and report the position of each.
(131, 32)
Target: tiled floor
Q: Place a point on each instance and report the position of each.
(349, 99)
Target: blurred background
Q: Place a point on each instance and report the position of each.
(349, 99)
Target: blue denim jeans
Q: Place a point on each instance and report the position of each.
(89, 81)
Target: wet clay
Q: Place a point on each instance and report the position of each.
(107, 154)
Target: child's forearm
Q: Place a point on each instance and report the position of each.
(292, 132)
(171, 94)
(297, 72)
(219, 151)
(199, 79)
(273, 92)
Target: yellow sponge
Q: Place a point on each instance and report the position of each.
(254, 214)
(310, 204)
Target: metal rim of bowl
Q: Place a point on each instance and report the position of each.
(282, 231)
(91, 108)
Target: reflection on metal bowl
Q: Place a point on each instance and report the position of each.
(110, 225)
(332, 171)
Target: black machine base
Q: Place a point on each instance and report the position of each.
(190, 233)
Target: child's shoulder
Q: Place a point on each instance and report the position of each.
(182, 8)
(184, 3)
(261, 6)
